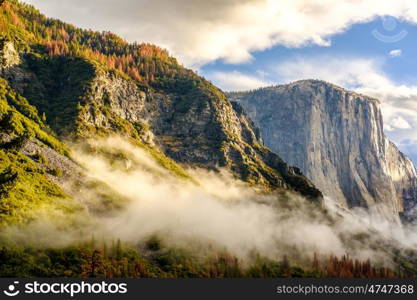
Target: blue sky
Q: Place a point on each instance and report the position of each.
(358, 41)
(366, 45)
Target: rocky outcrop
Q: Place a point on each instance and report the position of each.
(10, 63)
(8, 54)
(336, 138)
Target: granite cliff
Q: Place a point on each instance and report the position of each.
(336, 138)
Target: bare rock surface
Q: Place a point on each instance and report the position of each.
(336, 138)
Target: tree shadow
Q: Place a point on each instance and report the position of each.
(56, 86)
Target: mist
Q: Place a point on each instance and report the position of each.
(210, 211)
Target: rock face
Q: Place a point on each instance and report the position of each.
(9, 62)
(196, 125)
(336, 138)
(9, 56)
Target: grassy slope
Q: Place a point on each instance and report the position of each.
(24, 188)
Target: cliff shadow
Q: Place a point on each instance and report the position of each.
(56, 86)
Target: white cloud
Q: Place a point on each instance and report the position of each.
(344, 71)
(200, 31)
(398, 102)
(400, 123)
(262, 73)
(396, 53)
(236, 81)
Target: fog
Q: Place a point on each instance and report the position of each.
(212, 211)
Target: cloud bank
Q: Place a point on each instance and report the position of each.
(201, 31)
(237, 81)
(217, 214)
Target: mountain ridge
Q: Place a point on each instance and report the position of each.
(301, 81)
(85, 84)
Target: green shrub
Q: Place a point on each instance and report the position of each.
(57, 172)
(40, 158)
(153, 244)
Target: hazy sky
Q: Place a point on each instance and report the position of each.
(366, 45)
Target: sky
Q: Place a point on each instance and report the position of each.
(369, 46)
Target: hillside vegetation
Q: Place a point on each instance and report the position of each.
(25, 189)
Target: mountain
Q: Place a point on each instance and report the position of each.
(67, 92)
(336, 138)
(79, 84)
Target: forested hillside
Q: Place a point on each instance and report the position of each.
(87, 83)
